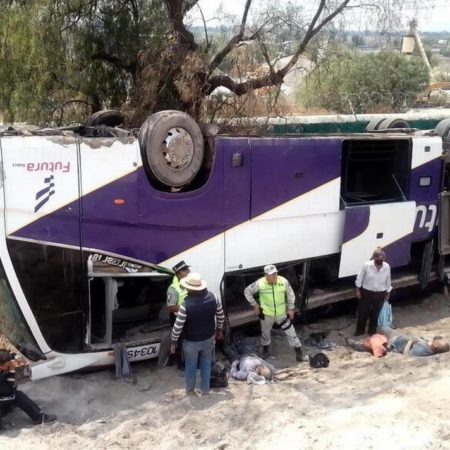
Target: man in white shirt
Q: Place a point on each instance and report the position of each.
(373, 287)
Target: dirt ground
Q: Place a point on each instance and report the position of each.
(359, 401)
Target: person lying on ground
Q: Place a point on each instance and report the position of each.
(415, 346)
(380, 344)
(10, 396)
(376, 344)
(253, 369)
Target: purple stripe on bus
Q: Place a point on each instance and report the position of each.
(154, 225)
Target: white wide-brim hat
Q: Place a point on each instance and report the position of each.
(193, 282)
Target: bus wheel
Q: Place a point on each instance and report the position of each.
(443, 129)
(393, 123)
(108, 117)
(172, 148)
(374, 124)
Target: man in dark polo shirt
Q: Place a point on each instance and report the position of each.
(197, 319)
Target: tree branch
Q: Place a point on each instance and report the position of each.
(219, 57)
(176, 10)
(208, 44)
(271, 79)
(265, 53)
(118, 62)
(188, 5)
(276, 77)
(312, 31)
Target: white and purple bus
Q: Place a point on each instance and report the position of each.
(93, 218)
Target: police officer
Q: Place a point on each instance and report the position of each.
(274, 292)
(177, 293)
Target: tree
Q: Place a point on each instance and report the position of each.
(142, 56)
(365, 83)
(62, 59)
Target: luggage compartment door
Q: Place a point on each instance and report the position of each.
(387, 225)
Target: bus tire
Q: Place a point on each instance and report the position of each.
(393, 123)
(443, 129)
(107, 117)
(374, 124)
(172, 148)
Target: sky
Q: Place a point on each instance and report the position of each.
(432, 15)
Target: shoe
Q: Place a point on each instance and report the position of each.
(357, 334)
(266, 352)
(298, 354)
(205, 393)
(350, 341)
(45, 418)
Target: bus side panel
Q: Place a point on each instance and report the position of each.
(231, 199)
(370, 226)
(43, 234)
(294, 204)
(425, 185)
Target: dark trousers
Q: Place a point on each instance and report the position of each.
(25, 404)
(369, 308)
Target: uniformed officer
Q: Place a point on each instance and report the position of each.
(274, 292)
(177, 293)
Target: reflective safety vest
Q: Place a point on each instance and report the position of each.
(182, 292)
(272, 297)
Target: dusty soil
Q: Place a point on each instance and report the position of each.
(394, 402)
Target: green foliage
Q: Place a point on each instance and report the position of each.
(25, 70)
(347, 83)
(63, 59)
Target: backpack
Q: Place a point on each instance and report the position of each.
(319, 360)
(219, 376)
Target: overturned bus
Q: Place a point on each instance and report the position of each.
(94, 217)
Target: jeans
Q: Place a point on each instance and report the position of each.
(198, 354)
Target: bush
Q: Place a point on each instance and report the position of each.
(382, 82)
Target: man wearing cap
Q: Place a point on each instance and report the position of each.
(274, 292)
(197, 320)
(176, 293)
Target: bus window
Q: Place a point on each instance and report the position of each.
(375, 171)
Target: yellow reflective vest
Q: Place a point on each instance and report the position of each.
(272, 297)
(182, 292)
